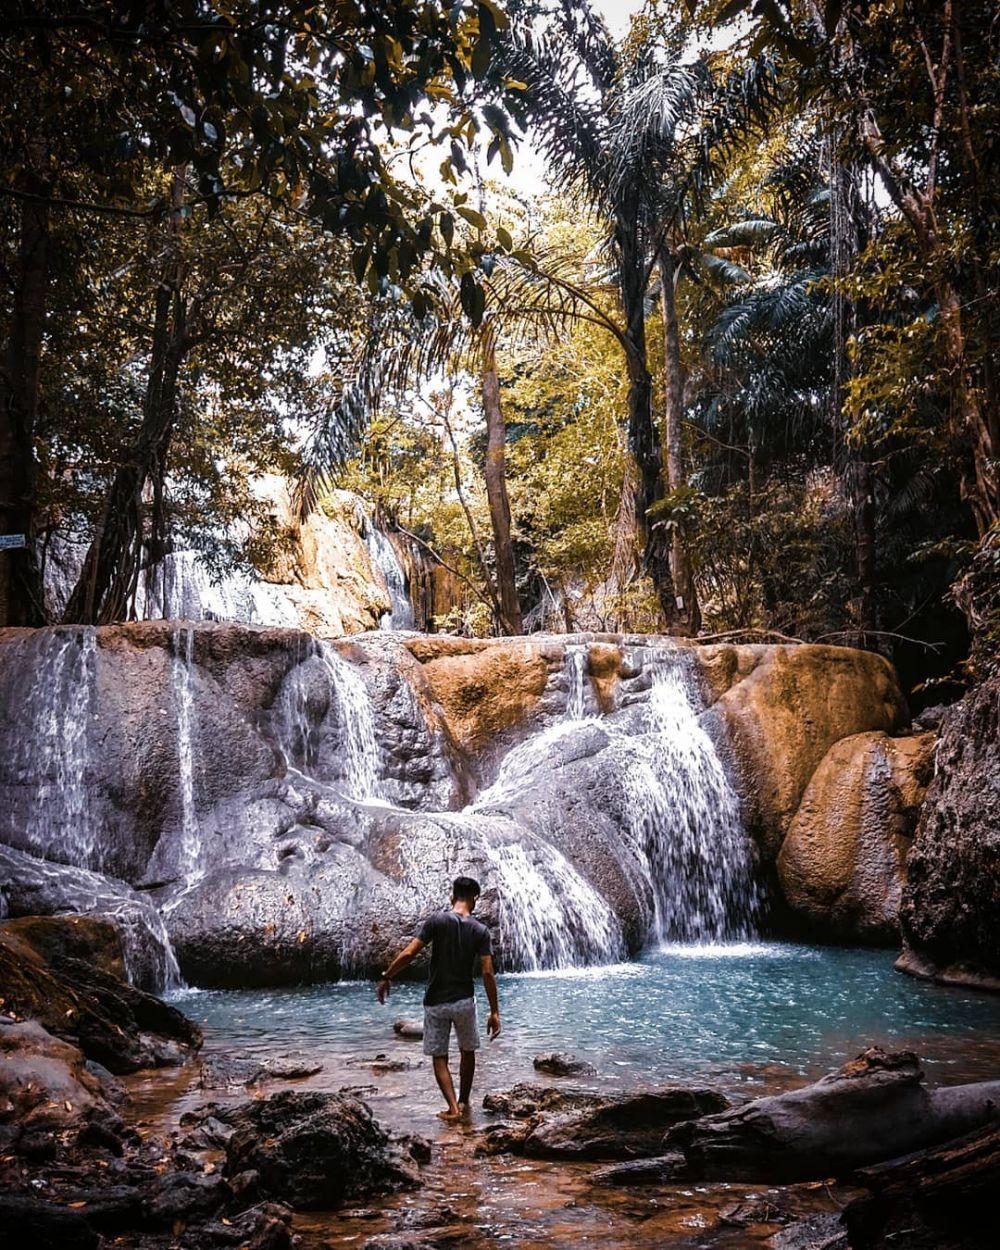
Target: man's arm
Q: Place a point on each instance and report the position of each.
(490, 986)
(405, 957)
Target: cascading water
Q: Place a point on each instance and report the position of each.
(180, 587)
(357, 723)
(679, 811)
(576, 662)
(321, 680)
(61, 822)
(549, 916)
(685, 815)
(383, 556)
(191, 867)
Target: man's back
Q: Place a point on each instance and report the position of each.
(456, 942)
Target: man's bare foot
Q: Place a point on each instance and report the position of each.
(450, 1115)
(464, 1110)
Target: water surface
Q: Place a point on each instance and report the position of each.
(746, 1018)
(678, 1013)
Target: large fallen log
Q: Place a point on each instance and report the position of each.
(942, 1199)
(875, 1108)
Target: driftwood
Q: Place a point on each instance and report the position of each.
(875, 1108)
(940, 1198)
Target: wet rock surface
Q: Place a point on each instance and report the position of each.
(558, 1063)
(842, 866)
(73, 1171)
(113, 1023)
(316, 1150)
(951, 904)
(268, 857)
(575, 1124)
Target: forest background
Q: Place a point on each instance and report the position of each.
(685, 324)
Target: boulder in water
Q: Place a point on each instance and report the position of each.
(528, 1099)
(559, 1063)
(621, 1127)
(842, 866)
(315, 1150)
(782, 708)
(38, 888)
(578, 1124)
(412, 1029)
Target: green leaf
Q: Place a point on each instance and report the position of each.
(504, 239)
(473, 218)
(446, 224)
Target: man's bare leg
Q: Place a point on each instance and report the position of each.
(466, 1073)
(442, 1074)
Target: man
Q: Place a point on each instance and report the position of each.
(458, 943)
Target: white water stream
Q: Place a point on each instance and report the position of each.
(190, 858)
(682, 835)
(57, 749)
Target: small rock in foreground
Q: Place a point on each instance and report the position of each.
(557, 1063)
(316, 1150)
(412, 1029)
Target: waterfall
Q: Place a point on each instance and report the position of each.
(576, 662)
(357, 725)
(548, 915)
(60, 705)
(685, 815)
(678, 811)
(384, 558)
(190, 860)
(180, 587)
(322, 681)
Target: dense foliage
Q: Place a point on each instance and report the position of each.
(733, 371)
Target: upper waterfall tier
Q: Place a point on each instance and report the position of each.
(296, 805)
(333, 573)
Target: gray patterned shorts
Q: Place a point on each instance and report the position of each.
(438, 1021)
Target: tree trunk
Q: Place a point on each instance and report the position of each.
(105, 589)
(22, 598)
(643, 443)
(110, 571)
(845, 246)
(496, 493)
(980, 484)
(688, 620)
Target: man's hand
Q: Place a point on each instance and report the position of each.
(493, 1025)
(383, 988)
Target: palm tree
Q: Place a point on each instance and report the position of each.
(637, 130)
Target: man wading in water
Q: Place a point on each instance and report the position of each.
(458, 943)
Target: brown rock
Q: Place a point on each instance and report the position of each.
(45, 1086)
(842, 865)
(951, 904)
(483, 687)
(113, 1023)
(89, 938)
(604, 669)
(783, 707)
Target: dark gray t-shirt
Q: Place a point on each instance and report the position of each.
(456, 943)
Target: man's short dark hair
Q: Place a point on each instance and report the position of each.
(466, 889)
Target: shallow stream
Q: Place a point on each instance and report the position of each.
(747, 1018)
